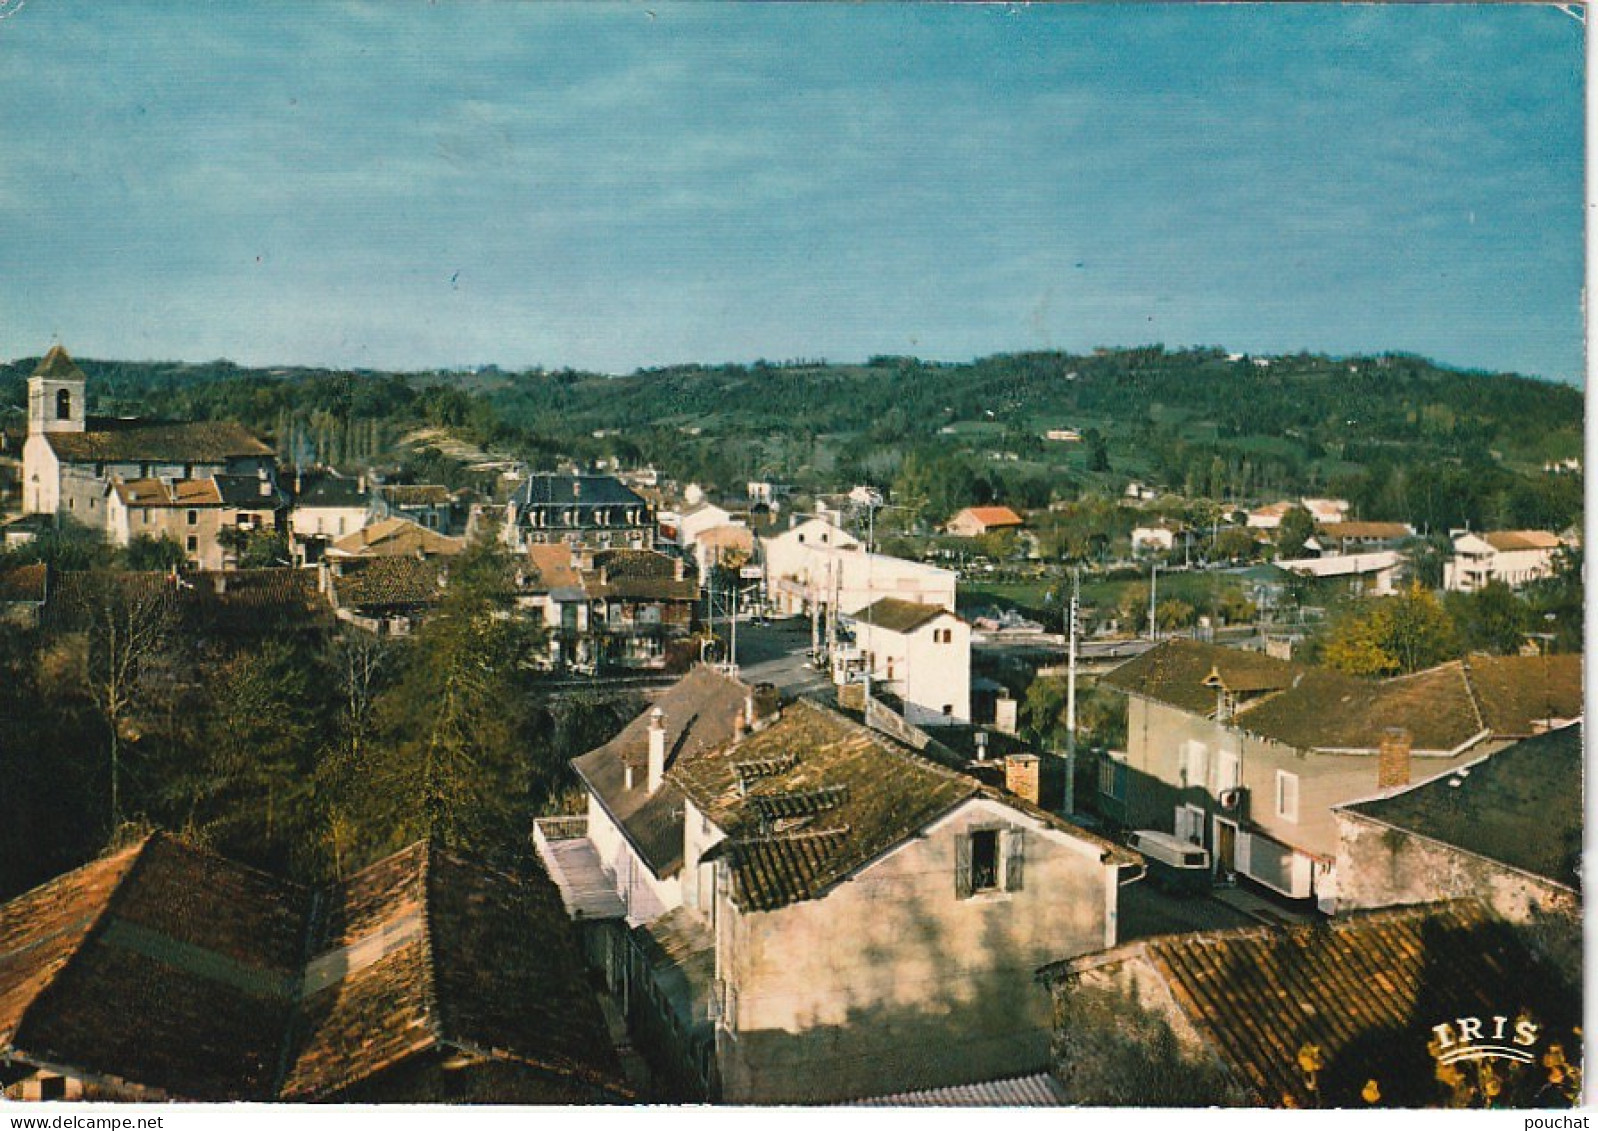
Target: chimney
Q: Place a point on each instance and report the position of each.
(657, 748)
(981, 739)
(749, 708)
(1021, 776)
(1004, 715)
(1392, 762)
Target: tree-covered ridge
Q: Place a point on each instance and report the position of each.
(1401, 437)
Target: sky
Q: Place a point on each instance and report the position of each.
(615, 185)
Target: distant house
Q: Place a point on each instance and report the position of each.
(797, 909)
(596, 511)
(394, 537)
(1514, 557)
(386, 595)
(817, 568)
(326, 506)
(1247, 755)
(550, 588)
(1063, 435)
(1357, 537)
(975, 521)
(1222, 1018)
(426, 504)
(723, 545)
(1506, 829)
(163, 972)
(1373, 574)
(922, 655)
(640, 602)
(1270, 516)
(702, 516)
(1160, 537)
(70, 459)
(1326, 511)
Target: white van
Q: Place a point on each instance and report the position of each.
(1175, 865)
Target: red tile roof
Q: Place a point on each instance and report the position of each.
(993, 516)
(1365, 988)
(395, 537)
(176, 970)
(1506, 540)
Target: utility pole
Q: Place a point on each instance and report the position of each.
(1070, 693)
(1154, 629)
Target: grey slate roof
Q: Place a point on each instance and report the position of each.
(575, 490)
(1521, 806)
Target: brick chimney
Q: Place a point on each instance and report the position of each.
(1021, 776)
(1392, 760)
(657, 748)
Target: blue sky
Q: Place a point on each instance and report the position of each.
(608, 186)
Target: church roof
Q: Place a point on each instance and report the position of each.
(57, 363)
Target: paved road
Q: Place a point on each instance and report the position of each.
(1145, 912)
(778, 653)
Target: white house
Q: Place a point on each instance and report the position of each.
(816, 567)
(1159, 537)
(792, 908)
(1374, 574)
(922, 654)
(1514, 557)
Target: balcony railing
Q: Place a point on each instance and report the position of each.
(547, 830)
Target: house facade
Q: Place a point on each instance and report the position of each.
(596, 511)
(817, 568)
(922, 655)
(807, 912)
(1513, 557)
(1247, 755)
(1506, 829)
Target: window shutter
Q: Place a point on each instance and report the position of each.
(1015, 861)
(962, 867)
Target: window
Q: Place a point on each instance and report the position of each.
(194, 518)
(985, 860)
(1287, 795)
(1194, 764)
(1112, 779)
(63, 405)
(53, 1087)
(193, 544)
(942, 635)
(988, 860)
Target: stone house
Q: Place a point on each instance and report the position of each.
(796, 909)
(1506, 829)
(1357, 537)
(1247, 754)
(1334, 1015)
(163, 972)
(327, 506)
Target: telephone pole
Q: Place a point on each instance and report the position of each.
(1070, 693)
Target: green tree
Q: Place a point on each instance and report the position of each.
(147, 553)
(1492, 619)
(1391, 635)
(451, 762)
(1297, 527)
